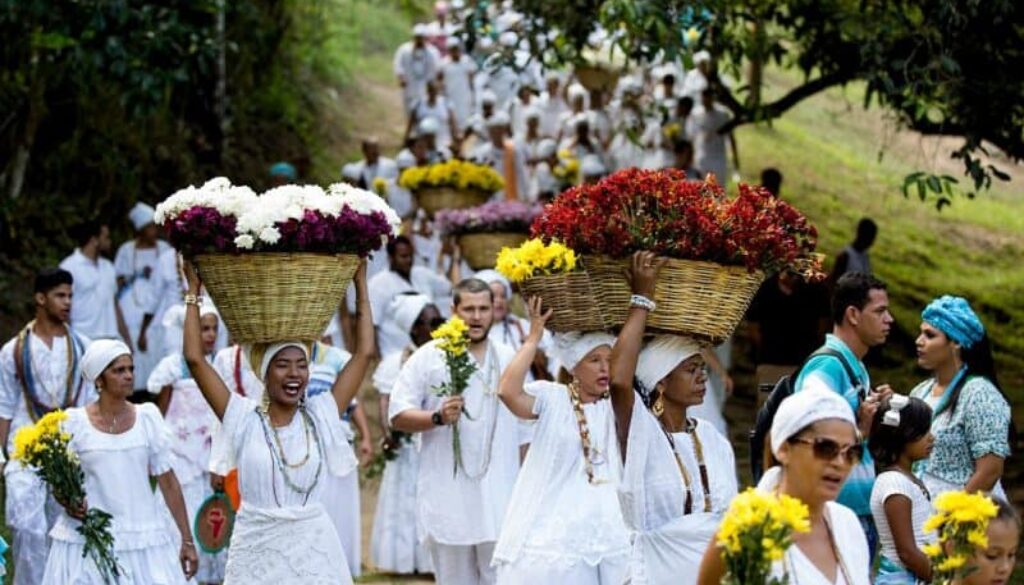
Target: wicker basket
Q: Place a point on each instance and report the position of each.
(481, 250)
(700, 299)
(571, 299)
(434, 199)
(269, 297)
(593, 77)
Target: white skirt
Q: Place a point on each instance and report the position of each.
(395, 546)
(155, 565)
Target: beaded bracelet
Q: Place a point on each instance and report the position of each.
(642, 302)
(193, 300)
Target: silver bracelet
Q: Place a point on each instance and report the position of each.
(642, 302)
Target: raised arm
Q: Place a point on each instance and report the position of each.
(351, 377)
(510, 389)
(209, 381)
(642, 275)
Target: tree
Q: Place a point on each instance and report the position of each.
(944, 67)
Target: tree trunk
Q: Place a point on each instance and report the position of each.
(34, 115)
(755, 77)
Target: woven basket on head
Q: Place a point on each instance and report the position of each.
(570, 297)
(434, 199)
(268, 297)
(700, 299)
(593, 77)
(481, 250)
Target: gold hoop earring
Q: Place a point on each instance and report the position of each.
(658, 408)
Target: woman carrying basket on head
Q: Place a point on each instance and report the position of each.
(282, 449)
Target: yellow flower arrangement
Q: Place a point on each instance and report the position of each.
(380, 186)
(453, 173)
(567, 171)
(961, 522)
(755, 532)
(534, 258)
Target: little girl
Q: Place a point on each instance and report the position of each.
(900, 503)
(994, 565)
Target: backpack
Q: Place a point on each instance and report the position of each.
(783, 389)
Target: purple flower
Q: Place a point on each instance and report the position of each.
(499, 216)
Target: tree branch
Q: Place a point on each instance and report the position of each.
(744, 115)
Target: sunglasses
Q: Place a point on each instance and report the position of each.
(827, 450)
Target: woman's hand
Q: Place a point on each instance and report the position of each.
(195, 284)
(538, 319)
(77, 512)
(642, 273)
(189, 558)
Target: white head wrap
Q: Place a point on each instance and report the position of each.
(488, 97)
(498, 119)
(531, 113)
(428, 125)
(546, 148)
(805, 408)
(661, 355)
(571, 348)
(419, 30)
(100, 354)
(141, 215)
(701, 57)
(273, 350)
(405, 309)
(453, 43)
(405, 159)
(577, 91)
(580, 119)
(491, 276)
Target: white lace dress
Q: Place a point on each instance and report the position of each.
(281, 536)
(117, 480)
(559, 527)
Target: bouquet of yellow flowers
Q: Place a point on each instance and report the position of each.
(961, 521)
(380, 186)
(756, 531)
(453, 173)
(534, 258)
(44, 447)
(567, 171)
(453, 340)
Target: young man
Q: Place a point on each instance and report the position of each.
(861, 320)
(95, 313)
(462, 494)
(855, 258)
(39, 372)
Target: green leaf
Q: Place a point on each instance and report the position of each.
(934, 184)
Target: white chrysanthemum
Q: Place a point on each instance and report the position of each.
(270, 235)
(182, 200)
(236, 201)
(245, 242)
(217, 184)
(364, 202)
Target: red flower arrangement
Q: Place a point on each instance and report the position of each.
(664, 212)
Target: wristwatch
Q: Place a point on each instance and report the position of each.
(436, 418)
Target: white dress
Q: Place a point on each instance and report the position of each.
(895, 483)
(142, 296)
(282, 537)
(117, 480)
(192, 423)
(458, 88)
(560, 528)
(667, 544)
(709, 146)
(395, 546)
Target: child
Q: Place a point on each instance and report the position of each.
(994, 565)
(900, 503)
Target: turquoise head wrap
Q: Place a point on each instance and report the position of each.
(954, 317)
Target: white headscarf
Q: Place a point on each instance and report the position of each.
(100, 354)
(274, 349)
(805, 408)
(491, 276)
(571, 348)
(661, 355)
(405, 309)
(141, 215)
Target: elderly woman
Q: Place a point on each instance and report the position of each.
(814, 437)
(679, 472)
(971, 424)
(281, 448)
(122, 447)
(563, 523)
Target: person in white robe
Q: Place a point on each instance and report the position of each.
(577, 107)
(415, 64)
(95, 314)
(435, 106)
(696, 79)
(494, 152)
(461, 495)
(427, 146)
(544, 185)
(40, 371)
(477, 124)
(373, 166)
(582, 142)
(552, 105)
(564, 524)
(192, 424)
(457, 73)
(679, 473)
(140, 290)
(524, 102)
(705, 126)
(815, 440)
(395, 546)
(282, 449)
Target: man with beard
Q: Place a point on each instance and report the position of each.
(463, 488)
(39, 372)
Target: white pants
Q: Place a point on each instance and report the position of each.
(462, 565)
(531, 570)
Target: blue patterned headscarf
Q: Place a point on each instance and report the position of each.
(954, 317)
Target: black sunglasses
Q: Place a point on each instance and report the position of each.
(826, 449)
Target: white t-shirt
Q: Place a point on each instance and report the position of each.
(95, 283)
(893, 483)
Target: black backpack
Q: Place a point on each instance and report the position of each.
(783, 389)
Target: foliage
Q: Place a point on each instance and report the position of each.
(921, 60)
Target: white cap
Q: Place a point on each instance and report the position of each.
(488, 97)
(405, 159)
(580, 120)
(701, 57)
(577, 91)
(453, 42)
(420, 30)
(498, 119)
(531, 113)
(141, 215)
(546, 148)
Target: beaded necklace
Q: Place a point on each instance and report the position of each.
(591, 456)
(698, 448)
(24, 365)
(281, 463)
(489, 393)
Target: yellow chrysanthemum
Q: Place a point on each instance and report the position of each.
(452, 336)
(25, 441)
(534, 258)
(454, 173)
(932, 550)
(952, 563)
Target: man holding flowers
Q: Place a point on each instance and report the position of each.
(470, 450)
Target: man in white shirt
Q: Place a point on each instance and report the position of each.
(705, 125)
(401, 277)
(461, 494)
(95, 312)
(373, 166)
(415, 64)
(39, 372)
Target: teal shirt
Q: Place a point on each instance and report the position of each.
(856, 492)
